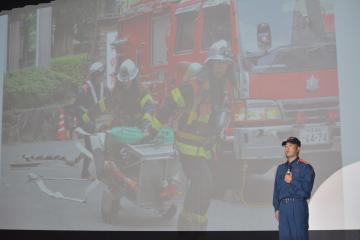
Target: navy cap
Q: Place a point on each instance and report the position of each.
(292, 140)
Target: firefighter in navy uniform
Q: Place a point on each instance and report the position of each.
(91, 101)
(201, 104)
(293, 184)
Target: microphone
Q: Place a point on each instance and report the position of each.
(288, 172)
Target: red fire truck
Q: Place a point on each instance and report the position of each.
(286, 70)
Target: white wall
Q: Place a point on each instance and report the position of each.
(348, 49)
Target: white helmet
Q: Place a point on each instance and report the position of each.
(220, 51)
(128, 71)
(97, 67)
(192, 70)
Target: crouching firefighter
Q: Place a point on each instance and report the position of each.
(201, 104)
(132, 105)
(91, 101)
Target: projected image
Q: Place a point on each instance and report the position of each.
(163, 115)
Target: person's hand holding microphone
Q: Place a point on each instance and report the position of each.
(288, 176)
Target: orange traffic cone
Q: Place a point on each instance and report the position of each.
(61, 132)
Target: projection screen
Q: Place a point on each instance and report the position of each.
(96, 105)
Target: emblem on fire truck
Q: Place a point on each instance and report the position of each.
(312, 84)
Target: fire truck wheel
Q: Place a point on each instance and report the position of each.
(170, 212)
(109, 207)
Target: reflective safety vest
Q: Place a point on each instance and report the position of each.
(139, 109)
(192, 217)
(194, 126)
(146, 100)
(93, 92)
(98, 100)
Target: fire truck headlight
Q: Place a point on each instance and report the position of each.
(263, 113)
(257, 110)
(273, 113)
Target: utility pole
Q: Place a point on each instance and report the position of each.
(43, 37)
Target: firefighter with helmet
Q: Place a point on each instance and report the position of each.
(202, 105)
(91, 101)
(133, 106)
(192, 70)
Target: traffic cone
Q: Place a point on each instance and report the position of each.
(61, 132)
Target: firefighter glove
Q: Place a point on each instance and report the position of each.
(86, 117)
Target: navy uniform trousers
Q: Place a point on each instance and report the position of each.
(293, 219)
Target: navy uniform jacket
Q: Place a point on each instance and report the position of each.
(301, 185)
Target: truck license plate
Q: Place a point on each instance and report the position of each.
(314, 135)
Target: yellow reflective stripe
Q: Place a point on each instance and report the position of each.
(156, 124)
(193, 217)
(200, 218)
(148, 117)
(178, 97)
(85, 117)
(193, 150)
(192, 117)
(145, 99)
(190, 136)
(102, 105)
(204, 118)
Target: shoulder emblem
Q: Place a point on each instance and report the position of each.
(303, 161)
